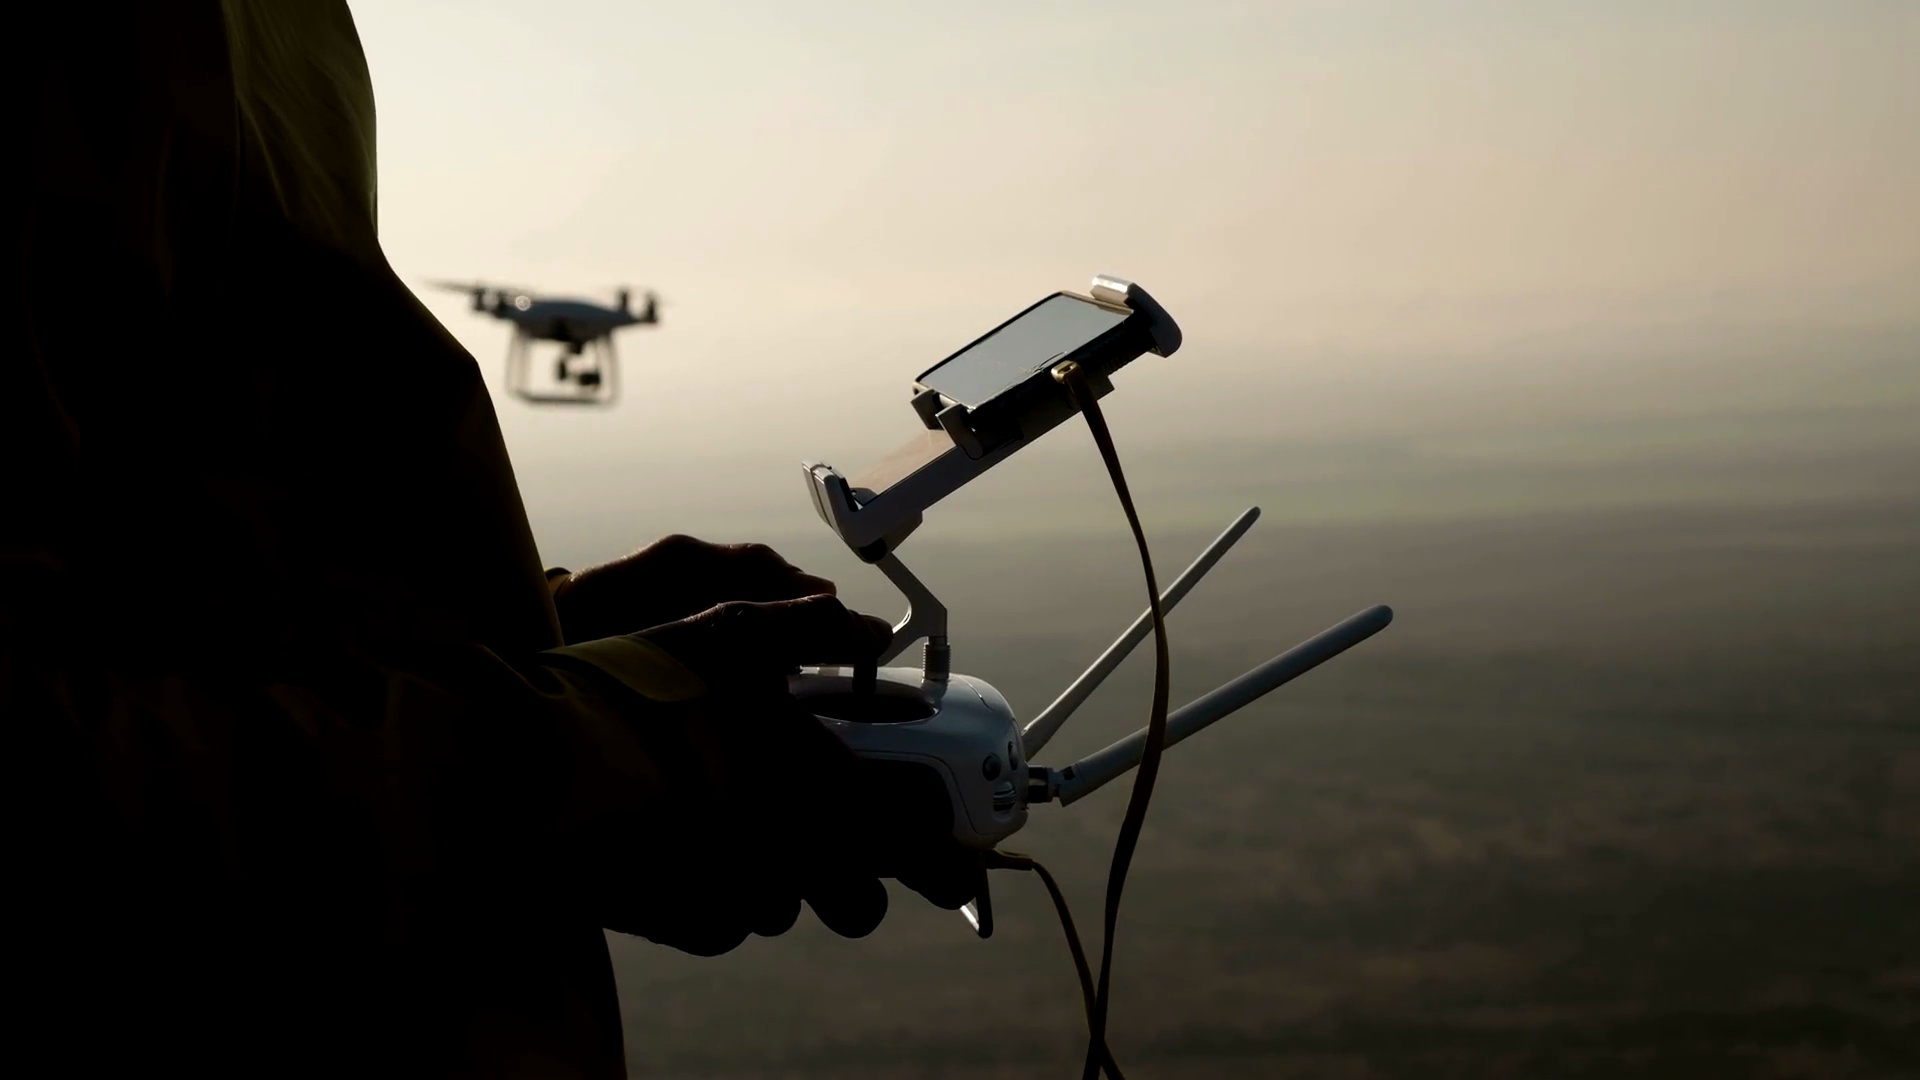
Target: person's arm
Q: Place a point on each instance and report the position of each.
(411, 848)
(449, 756)
(271, 586)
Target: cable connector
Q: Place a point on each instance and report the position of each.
(1043, 785)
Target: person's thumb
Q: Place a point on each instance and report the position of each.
(787, 633)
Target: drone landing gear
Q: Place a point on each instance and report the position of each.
(585, 373)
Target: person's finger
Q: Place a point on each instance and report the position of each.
(776, 914)
(753, 573)
(798, 585)
(645, 588)
(691, 910)
(704, 939)
(881, 629)
(673, 578)
(756, 572)
(948, 881)
(765, 865)
(777, 636)
(850, 906)
(914, 842)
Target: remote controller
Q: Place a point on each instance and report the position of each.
(950, 740)
(959, 729)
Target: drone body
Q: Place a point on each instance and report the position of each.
(588, 368)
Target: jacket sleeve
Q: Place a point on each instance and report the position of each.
(265, 572)
(403, 853)
(300, 763)
(437, 761)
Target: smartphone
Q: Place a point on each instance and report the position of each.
(984, 402)
(1023, 348)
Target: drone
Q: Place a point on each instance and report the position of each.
(588, 367)
(942, 737)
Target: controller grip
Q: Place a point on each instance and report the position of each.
(937, 755)
(907, 814)
(911, 840)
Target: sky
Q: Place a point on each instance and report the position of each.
(1368, 215)
(1436, 262)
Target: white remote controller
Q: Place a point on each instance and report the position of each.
(940, 728)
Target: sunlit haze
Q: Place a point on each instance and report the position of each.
(1390, 217)
(1586, 335)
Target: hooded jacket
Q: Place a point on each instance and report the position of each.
(303, 767)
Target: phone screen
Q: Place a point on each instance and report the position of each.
(1012, 354)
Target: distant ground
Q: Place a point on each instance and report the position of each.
(1619, 792)
(1631, 786)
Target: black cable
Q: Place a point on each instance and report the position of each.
(1074, 379)
(1007, 860)
(1099, 1057)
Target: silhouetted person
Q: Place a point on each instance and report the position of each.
(317, 772)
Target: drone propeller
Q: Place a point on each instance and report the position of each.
(479, 290)
(650, 304)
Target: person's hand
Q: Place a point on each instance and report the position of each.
(790, 819)
(672, 579)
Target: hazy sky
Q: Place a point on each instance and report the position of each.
(831, 195)
(1431, 257)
